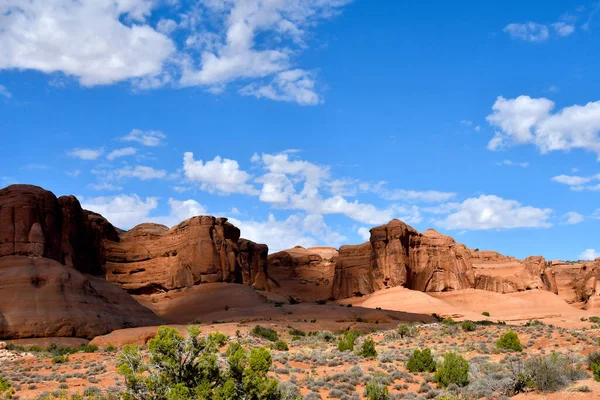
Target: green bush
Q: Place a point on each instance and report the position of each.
(6, 389)
(509, 341)
(468, 326)
(454, 370)
(448, 321)
(407, 330)
(367, 349)
(376, 390)
(89, 348)
(181, 368)
(218, 338)
(421, 361)
(596, 371)
(60, 359)
(297, 332)
(281, 345)
(347, 341)
(266, 333)
(485, 313)
(594, 319)
(110, 348)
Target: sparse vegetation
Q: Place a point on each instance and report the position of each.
(485, 314)
(421, 361)
(510, 341)
(454, 370)
(265, 333)
(367, 349)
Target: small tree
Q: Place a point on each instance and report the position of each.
(376, 390)
(421, 361)
(186, 368)
(407, 330)
(347, 342)
(468, 326)
(453, 370)
(367, 349)
(509, 341)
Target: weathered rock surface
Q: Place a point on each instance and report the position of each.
(39, 297)
(398, 255)
(304, 274)
(34, 222)
(578, 282)
(152, 258)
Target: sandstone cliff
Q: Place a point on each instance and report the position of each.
(398, 255)
(304, 274)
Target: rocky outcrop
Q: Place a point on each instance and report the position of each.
(398, 255)
(577, 282)
(34, 222)
(304, 274)
(152, 258)
(39, 297)
(50, 248)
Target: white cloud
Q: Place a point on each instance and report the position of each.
(589, 255)
(232, 54)
(529, 31)
(89, 40)
(105, 186)
(139, 171)
(86, 154)
(147, 138)
(126, 151)
(364, 233)
(4, 92)
(292, 86)
(220, 175)
(75, 173)
(123, 211)
(179, 211)
(296, 230)
(428, 196)
(578, 183)
(572, 218)
(526, 120)
(492, 212)
(510, 163)
(563, 29)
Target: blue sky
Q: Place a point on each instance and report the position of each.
(308, 122)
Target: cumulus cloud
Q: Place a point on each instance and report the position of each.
(126, 151)
(180, 211)
(292, 86)
(492, 212)
(572, 218)
(589, 254)
(364, 233)
(296, 230)
(526, 120)
(220, 175)
(89, 40)
(146, 138)
(86, 154)
(124, 211)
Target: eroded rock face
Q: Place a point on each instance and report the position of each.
(304, 274)
(398, 255)
(578, 282)
(153, 258)
(34, 222)
(39, 297)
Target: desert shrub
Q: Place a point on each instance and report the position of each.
(293, 300)
(6, 389)
(321, 302)
(35, 349)
(187, 368)
(593, 358)
(468, 326)
(326, 336)
(367, 349)
(14, 347)
(376, 390)
(89, 348)
(346, 343)
(594, 319)
(448, 321)
(509, 341)
(407, 330)
(596, 371)
(60, 359)
(266, 333)
(297, 332)
(218, 338)
(485, 313)
(551, 373)
(421, 361)
(289, 391)
(281, 345)
(453, 370)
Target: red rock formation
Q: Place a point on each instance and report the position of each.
(39, 297)
(304, 274)
(153, 258)
(397, 255)
(578, 282)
